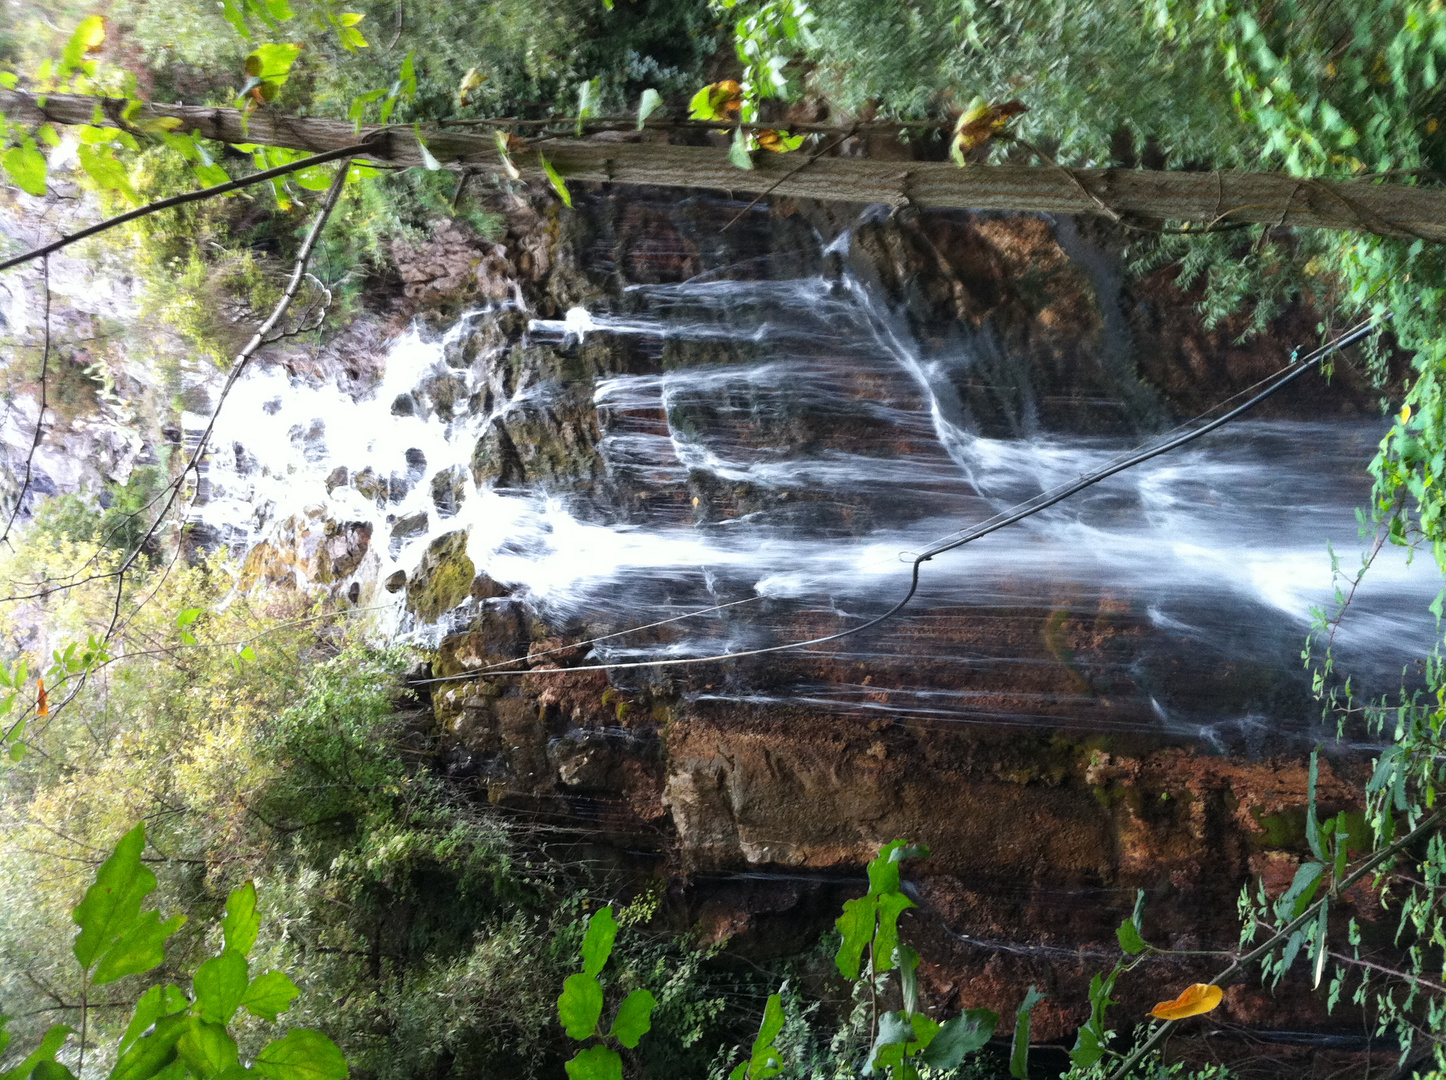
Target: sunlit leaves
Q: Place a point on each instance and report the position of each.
(589, 98)
(717, 101)
(269, 995)
(1193, 1000)
(554, 178)
(580, 1005)
(267, 69)
(302, 1054)
(220, 984)
(595, 1063)
(25, 165)
(345, 25)
(980, 123)
(634, 1018)
(764, 1060)
(88, 38)
(651, 101)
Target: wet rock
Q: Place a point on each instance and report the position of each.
(453, 263)
(336, 478)
(308, 548)
(370, 486)
(397, 488)
(449, 488)
(446, 393)
(408, 528)
(484, 588)
(444, 578)
(416, 465)
(404, 405)
(552, 443)
(396, 581)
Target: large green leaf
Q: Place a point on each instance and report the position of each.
(634, 1018)
(113, 904)
(554, 178)
(242, 923)
(155, 1003)
(962, 1035)
(269, 995)
(1019, 1049)
(207, 1048)
(50, 1045)
(580, 1005)
(152, 1052)
(595, 1063)
(891, 906)
(51, 1070)
(856, 924)
(142, 948)
(26, 166)
(220, 985)
(89, 36)
(302, 1054)
(597, 943)
(889, 1045)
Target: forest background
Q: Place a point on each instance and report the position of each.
(275, 743)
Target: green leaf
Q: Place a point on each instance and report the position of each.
(588, 96)
(187, 617)
(302, 1054)
(220, 984)
(51, 1070)
(1320, 945)
(9, 80)
(1087, 1049)
(26, 166)
(113, 904)
(102, 166)
(888, 1048)
(964, 1034)
(155, 1003)
(766, 1061)
(207, 1048)
(650, 103)
(555, 179)
(891, 906)
(597, 943)
(856, 924)
(634, 1018)
(1297, 898)
(580, 1005)
(1019, 1049)
(1312, 823)
(89, 36)
(142, 948)
(153, 1052)
(272, 63)
(269, 995)
(595, 1063)
(738, 150)
(907, 961)
(1130, 939)
(50, 1044)
(242, 923)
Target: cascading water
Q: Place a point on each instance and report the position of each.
(775, 449)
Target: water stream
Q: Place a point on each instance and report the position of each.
(783, 447)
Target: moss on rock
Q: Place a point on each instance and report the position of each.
(444, 578)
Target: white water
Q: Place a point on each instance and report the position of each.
(1217, 540)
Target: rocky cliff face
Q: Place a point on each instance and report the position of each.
(1057, 792)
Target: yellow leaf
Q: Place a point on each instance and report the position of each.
(1405, 413)
(42, 703)
(1197, 999)
(981, 122)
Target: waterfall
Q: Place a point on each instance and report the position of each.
(780, 447)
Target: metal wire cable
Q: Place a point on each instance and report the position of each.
(1028, 508)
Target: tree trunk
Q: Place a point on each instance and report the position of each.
(1209, 198)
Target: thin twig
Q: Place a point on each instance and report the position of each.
(190, 197)
(40, 417)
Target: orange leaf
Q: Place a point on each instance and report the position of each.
(981, 122)
(42, 703)
(1197, 999)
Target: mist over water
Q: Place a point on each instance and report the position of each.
(792, 445)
